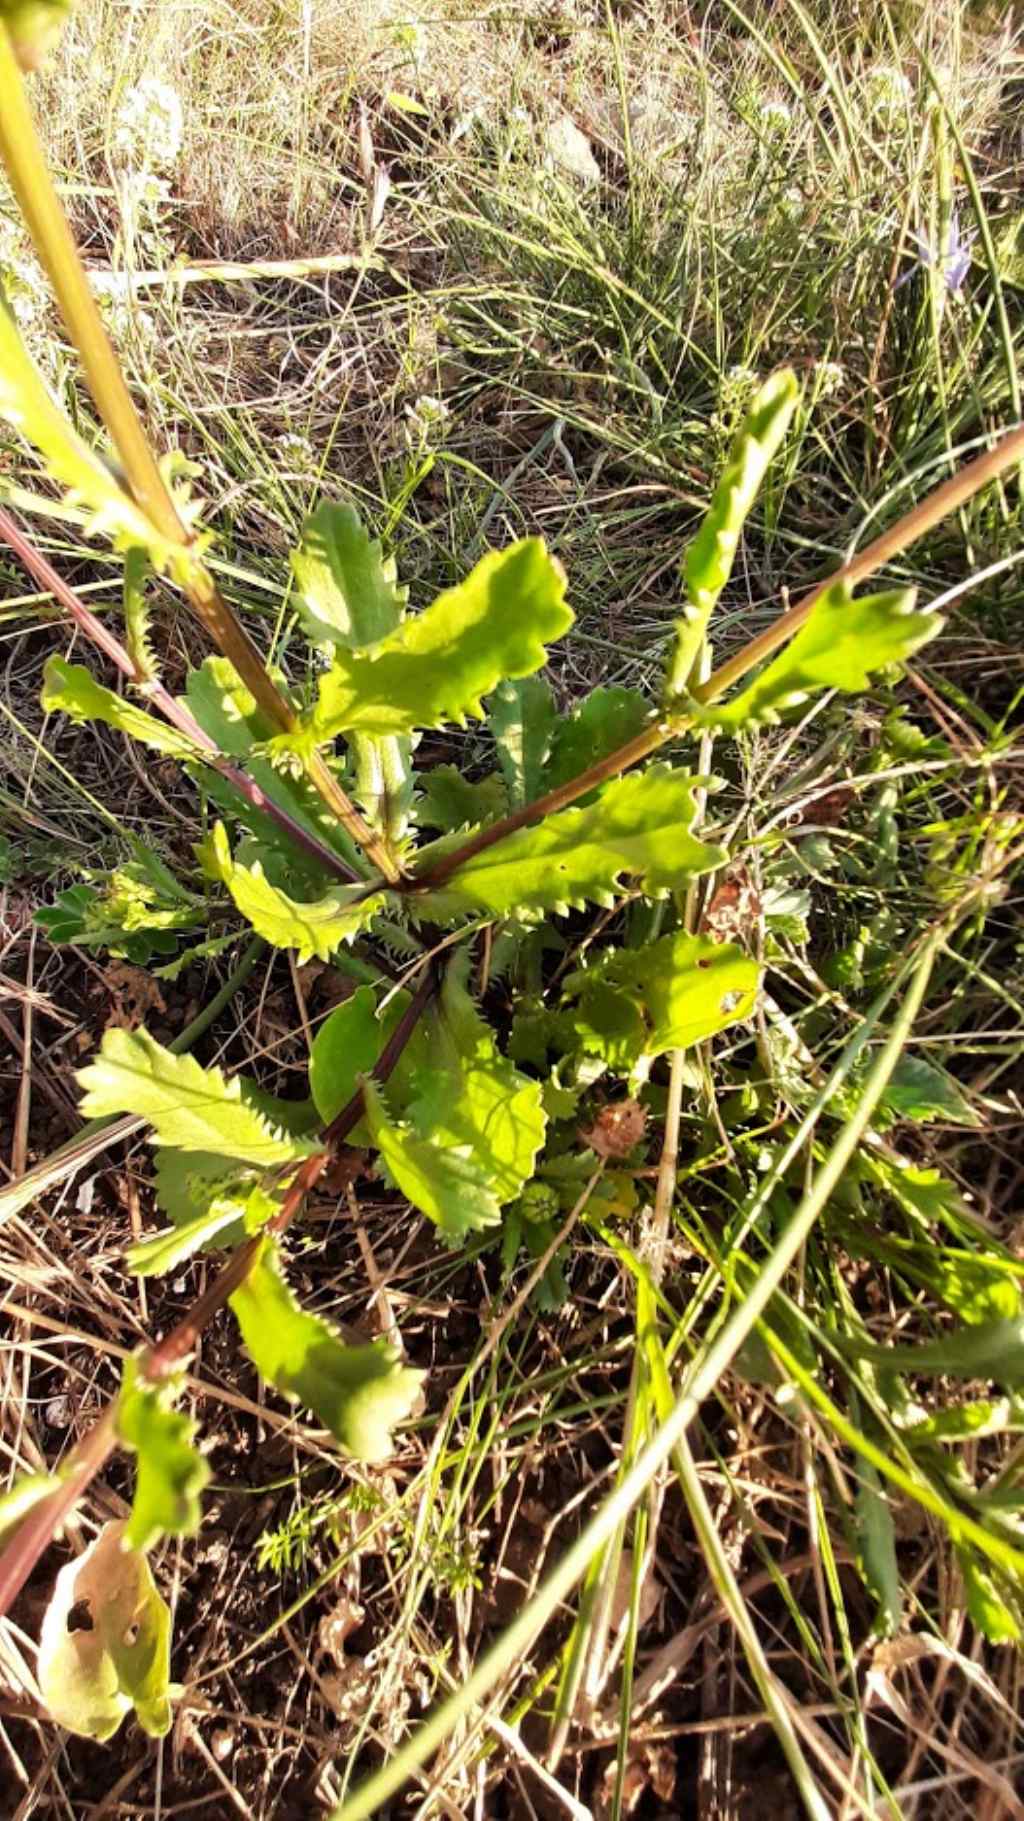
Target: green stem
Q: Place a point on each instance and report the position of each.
(22, 155)
(37, 199)
(945, 499)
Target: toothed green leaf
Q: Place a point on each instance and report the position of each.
(469, 1094)
(449, 1185)
(243, 1210)
(358, 1393)
(709, 559)
(522, 719)
(838, 647)
(73, 690)
(637, 830)
(105, 1646)
(602, 722)
(315, 928)
(684, 988)
(347, 597)
(449, 801)
(171, 1473)
(436, 666)
(189, 1107)
(229, 713)
(137, 615)
(346, 593)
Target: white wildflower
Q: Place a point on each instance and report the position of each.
(151, 123)
(296, 453)
(887, 89)
(426, 421)
(828, 377)
(776, 118)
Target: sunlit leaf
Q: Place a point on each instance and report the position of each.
(241, 1211)
(469, 1095)
(522, 720)
(192, 1108)
(314, 928)
(436, 665)
(843, 641)
(710, 556)
(448, 1185)
(71, 689)
(638, 829)
(358, 1393)
(228, 712)
(171, 1473)
(970, 1422)
(138, 615)
(348, 598)
(685, 988)
(105, 1646)
(29, 407)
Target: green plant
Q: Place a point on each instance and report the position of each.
(320, 851)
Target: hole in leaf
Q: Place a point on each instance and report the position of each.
(131, 1635)
(80, 1617)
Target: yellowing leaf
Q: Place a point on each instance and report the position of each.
(315, 928)
(105, 1646)
(358, 1393)
(73, 690)
(638, 829)
(436, 665)
(189, 1107)
(171, 1473)
(838, 647)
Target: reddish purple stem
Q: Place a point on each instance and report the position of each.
(172, 710)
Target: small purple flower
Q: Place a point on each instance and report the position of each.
(954, 263)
